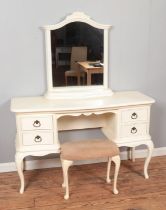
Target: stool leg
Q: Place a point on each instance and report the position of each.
(65, 166)
(108, 170)
(133, 154)
(116, 160)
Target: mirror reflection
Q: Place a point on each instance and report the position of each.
(77, 55)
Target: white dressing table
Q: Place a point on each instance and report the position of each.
(124, 117)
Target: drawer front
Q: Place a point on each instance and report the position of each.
(134, 115)
(36, 123)
(37, 138)
(133, 130)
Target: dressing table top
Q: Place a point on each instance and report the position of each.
(41, 104)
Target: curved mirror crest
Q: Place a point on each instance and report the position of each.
(77, 55)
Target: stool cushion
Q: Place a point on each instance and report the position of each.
(91, 149)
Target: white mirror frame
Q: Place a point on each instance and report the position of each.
(76, 91)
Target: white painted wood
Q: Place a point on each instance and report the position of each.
(150, 147)
(116, 160)
(117, 100)
(36, 122)
(83, 121)
(65, 166)
(37, 138)
(67, 163)
(133, 130)
(109, 113)
(135, 115)
(77, 91)
(37, 148)
(95, 106)
(77, 17)
(19, 158)
(108, 179)
(19, 162)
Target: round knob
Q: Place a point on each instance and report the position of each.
(36, 123)
(133, 130)
(38, 139)
(134, 116)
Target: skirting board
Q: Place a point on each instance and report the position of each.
(51, 163)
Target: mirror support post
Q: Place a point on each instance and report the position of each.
(106, 69)
(48, 60)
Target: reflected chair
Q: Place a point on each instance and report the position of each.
(86, 150)
(77, 54)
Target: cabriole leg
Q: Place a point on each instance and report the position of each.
(108, 170)
(116, 160)
(150, 150)
(19, 164)
(65, 166)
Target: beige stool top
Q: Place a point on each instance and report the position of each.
(91, 149)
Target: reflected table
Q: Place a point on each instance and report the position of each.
(90, 69)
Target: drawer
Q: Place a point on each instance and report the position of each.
(37, 138)
(133, 130)
(134, 115)
(36, 123)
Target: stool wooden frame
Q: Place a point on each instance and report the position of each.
(67, 163)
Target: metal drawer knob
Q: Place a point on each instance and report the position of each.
(134, 116)
(38, 139)
(36, 123)
(133, 130)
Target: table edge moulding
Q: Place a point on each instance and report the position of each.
(123, 117)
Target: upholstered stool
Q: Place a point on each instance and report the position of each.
(91, 149)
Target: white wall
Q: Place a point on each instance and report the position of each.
(137, 53)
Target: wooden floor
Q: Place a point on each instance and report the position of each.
(88, 188)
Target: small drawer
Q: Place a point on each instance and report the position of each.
(133, 130)
(37, 138)
(134, 115)
(36, 123)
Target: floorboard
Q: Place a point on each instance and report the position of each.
(88, 189)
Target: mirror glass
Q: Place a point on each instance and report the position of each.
(77, 55)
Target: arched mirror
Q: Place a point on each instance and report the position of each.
(77, 57)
